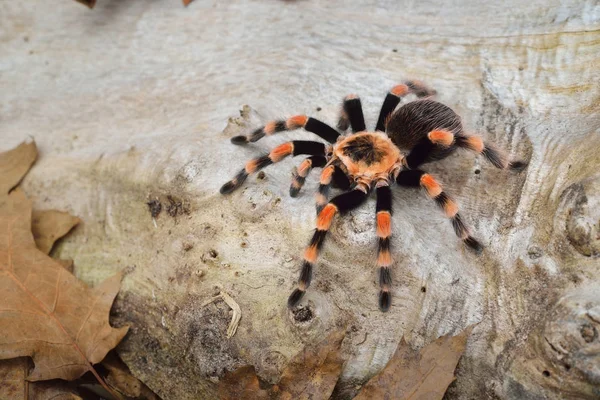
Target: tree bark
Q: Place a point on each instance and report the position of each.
(128, 105)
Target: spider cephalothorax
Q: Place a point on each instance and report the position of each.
(405, 138)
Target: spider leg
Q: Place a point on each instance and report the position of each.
(352, 115)
(419, 154)
(296, 122)
(299, 174)
(490, 151)
(416, 178)
(280, 152)
(392, 99)
(324, 186)
(339, 204)
(338, 179)
(384, 257)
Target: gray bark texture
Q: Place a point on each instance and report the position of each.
(135, 102)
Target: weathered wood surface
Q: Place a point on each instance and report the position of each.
(128, 103)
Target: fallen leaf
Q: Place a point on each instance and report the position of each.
(121, 379)
(187, 2)
(418, 375)
(242, 383)
(311, 374)
(66, 264)
(48, 226)
(46, 313)
(15, 387)
(14, 164)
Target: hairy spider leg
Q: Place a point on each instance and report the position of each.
(392, 99)
(416, 178)
(352, 115)
(301, 172)
(280, 152)
(384, 232)
(490, 151)
(419, 154)
(324, 186)
(339, 204)
(313, 125)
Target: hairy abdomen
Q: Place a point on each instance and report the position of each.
(413, 121)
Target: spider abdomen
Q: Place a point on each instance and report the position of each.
(411, 123)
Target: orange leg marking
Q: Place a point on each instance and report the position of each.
(475, 143)
(295, 122)
(310, 254)
(450, 208)
(326, 216)
(384, 259)
(399, 90)
(445, 138)
(251, 166)
(384, 224)
(281, 151)
(430, 184)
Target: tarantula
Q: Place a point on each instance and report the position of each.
(420, 131)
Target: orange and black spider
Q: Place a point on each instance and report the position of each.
(420, 131)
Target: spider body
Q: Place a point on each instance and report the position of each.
(365, 161)
(367, 156)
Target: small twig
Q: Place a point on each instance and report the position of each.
(237, 311)
(115, 394)
(237, 314)
(364, 340)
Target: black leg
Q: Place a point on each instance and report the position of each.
(296, 122)
(352, 115)
(434, 140)
(492, 153)
(418, 178)
(338, 204)
(280, 152)
(384, 256)
(299, 175)
(392, 99)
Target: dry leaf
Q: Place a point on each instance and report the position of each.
(46, 313)
(50, 225)
(15, 387)
(311, 374)
(187, 2)
(66, 264)
(418, 375)
(14, 164)
(242, 383)
(120, 379)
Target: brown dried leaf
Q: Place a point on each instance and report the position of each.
(66, 264)
(187, 2)
(46, 313)
(311, 374)
(418, 375)
(121, 379)
(242, 384)
(14, 386)
(48, 226)
(14, 164)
